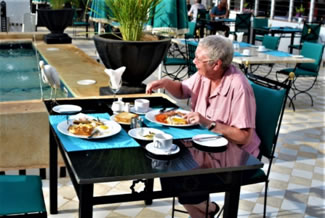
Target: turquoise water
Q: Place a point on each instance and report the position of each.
(19, 74)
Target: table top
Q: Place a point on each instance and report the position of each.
(104, 165)
(267, 57)
(279, 29)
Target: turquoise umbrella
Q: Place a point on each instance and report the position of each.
(170, 17)
(99, 11)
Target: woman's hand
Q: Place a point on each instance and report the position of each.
(155, 85)
(196, 118)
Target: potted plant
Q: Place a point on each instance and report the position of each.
(56, 18)
(300, 11)
(138, 51)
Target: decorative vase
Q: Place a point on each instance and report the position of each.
(56, 21)
(141, 58)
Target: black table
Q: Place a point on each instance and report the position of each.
(277, 30)
(95, 166)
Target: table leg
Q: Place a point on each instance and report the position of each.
(254, 34)
(148, 190)
(86, 193)
(53, 174)
(292, 41)
(232, 198)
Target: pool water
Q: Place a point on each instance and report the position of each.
(19, 74)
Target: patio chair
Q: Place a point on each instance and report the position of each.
(202, 17)
(177, 58)
(310, 32)
(268, 122)
(21, 196)
(259, 23)
(191, 55)
(308, 70)
(79, 22)
(243, 24)
(269, 42)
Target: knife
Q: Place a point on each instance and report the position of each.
(208, 138)
(93, 133)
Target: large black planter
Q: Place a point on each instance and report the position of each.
(56, 21)
(141, 58)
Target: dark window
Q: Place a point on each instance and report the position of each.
(264, 8)
(235, 5)
(319, 11)
(281, 9)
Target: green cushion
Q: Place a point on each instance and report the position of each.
(21, 194)
(259, 38)
(267, 114)
(175, 61)
(271, 42)
(314, 51)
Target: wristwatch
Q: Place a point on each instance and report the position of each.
(212, 125)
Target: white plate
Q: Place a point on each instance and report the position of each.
(139, 133)
(150, 147)
(151, 117)
(86, 82)
(212, 143)
(67, 109)
(297, 56)
(132, 110)
(113, 128)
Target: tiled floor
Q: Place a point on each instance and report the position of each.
(297, 180)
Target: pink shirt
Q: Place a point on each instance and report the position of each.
(232, 103)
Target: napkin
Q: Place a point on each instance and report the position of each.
(115, 76)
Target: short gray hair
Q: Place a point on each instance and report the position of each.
(218, 47)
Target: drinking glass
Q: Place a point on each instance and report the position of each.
(115, 88)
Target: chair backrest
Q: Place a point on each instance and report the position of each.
(201, 16)
(314, 51)
(191, 55)
(243, 22)
(269, 112)
(310, 32)
(271, 42)
(260, 22)
(191, 33)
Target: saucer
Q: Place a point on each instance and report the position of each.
(132, 110)
(67, 109)
(156, 151)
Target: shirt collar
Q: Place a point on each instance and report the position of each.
(225, 83)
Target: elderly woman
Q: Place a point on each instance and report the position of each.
(221, 100)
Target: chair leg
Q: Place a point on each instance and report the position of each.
(173, 209)
(265, 197)
(207, 209)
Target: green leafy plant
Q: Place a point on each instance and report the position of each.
(300, 10)
(132, 15)
(59, 4)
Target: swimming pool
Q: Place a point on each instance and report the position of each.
(19, 74)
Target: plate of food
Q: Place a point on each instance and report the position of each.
(124, 117)
(144, 133)
(170, 118)
(89, 128)
(67, 109)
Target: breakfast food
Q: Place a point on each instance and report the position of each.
(86, 127)
(171, 117)
(125, 117)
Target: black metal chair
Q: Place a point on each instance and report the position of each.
(80, 22)
(310, 33)
(311, 70)
(21, 196)
(243, 24)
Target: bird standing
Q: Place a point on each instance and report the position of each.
(50, 76)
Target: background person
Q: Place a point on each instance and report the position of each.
(193, 12)
(218, 12)
(222, 100)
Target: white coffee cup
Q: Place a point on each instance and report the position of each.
(236, 46)
(261, 48)
(141, 105)
(117, 106)
(163, 141)
(246, 52)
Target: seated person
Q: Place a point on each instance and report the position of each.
(222, 100)
(193, 12)
(220, 11)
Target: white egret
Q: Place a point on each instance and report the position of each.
(50, 76)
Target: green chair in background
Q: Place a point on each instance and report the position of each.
(269, 114)
(259, 23)
(243, 24)
(21, 196)
(310, 33)
(78, 21)
(269, 42)
(191, 34)
(191, 47)
(308, 70)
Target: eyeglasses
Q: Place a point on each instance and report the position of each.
(202, 61)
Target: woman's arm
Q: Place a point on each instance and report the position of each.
(233, 134)
(173, 87)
